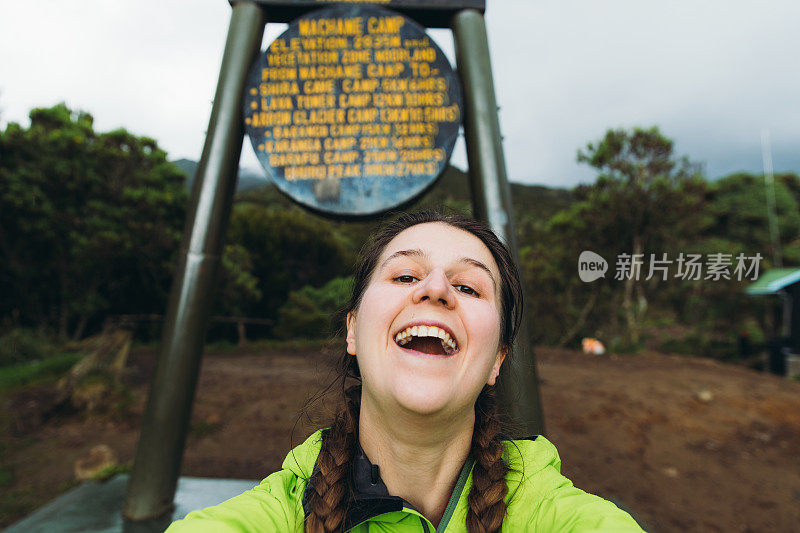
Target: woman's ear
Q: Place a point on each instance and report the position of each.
(498, 362)
(351, 333)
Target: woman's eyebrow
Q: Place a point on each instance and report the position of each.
(478, 264)
(404, 253)
(417, 253)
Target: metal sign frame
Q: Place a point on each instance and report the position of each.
(159, 453)
(430, 13)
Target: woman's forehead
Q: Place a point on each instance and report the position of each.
(439, 242)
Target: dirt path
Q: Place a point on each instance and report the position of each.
(683, 444)
(633, 429)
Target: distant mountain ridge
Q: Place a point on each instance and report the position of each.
(453, 184)
(248, 179)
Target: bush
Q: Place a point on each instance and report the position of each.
(21, 345)
(25, 373)
(699, 343)
(289, 249)
(308, 312)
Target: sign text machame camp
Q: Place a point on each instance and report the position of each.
(353, 110)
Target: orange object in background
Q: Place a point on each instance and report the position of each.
(593, 346)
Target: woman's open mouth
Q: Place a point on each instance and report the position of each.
(431, 340)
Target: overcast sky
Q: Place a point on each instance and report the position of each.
(712, 74)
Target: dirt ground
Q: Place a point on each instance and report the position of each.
(683, 444)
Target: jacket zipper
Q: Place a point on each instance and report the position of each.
(424, 525)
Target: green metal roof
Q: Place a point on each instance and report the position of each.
(773, 281)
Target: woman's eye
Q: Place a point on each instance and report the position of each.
(405, 279)
(466, 289)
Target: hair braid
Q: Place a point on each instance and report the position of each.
(487, 507)
(331, 484)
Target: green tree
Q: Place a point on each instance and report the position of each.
(89, 221)
(238, 286)
(738, 211)
(737, 223)
(290, 249)
(309, 312)
(645, 200)
(560, 306)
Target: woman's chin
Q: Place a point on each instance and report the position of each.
(422, 406)
(425, 400)
(424, 394)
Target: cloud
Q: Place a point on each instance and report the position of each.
(711, 74)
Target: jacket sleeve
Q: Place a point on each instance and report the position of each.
(569, 509)
(273, 505)
(557, 505)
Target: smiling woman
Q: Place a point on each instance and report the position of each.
(435, 308)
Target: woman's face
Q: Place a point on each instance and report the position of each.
(427, 331)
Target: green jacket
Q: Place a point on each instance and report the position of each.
(544, 500)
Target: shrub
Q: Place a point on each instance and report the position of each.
(21, 345)
(308, 312)
(34, 371)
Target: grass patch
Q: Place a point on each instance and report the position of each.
(220, 346)
(201, 429)
(684, 346)
(6, 477)
(21, 345)
(15, 504)
(27, 373)
(620, 345)
(111, 471)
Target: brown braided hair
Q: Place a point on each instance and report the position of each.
(330, 485)
(486, 499)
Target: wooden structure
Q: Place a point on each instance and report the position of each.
(784, 283)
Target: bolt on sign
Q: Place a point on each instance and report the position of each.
(353, 110)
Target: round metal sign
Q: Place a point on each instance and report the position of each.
(353, 110)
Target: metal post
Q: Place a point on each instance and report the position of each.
(794, 318)
(491, 197)
(152, 484)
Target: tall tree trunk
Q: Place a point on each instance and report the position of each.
(240, 329)
(63, 320)
(63, 315)
(627, 307)
(634, 314)
(587, 308)
(641, 304)
(80, 328)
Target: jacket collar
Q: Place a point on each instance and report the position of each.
(370, 495)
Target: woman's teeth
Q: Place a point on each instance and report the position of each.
(448, 344)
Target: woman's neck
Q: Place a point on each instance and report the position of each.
(419, 457)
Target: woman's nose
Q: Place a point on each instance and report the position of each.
(436, 289)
